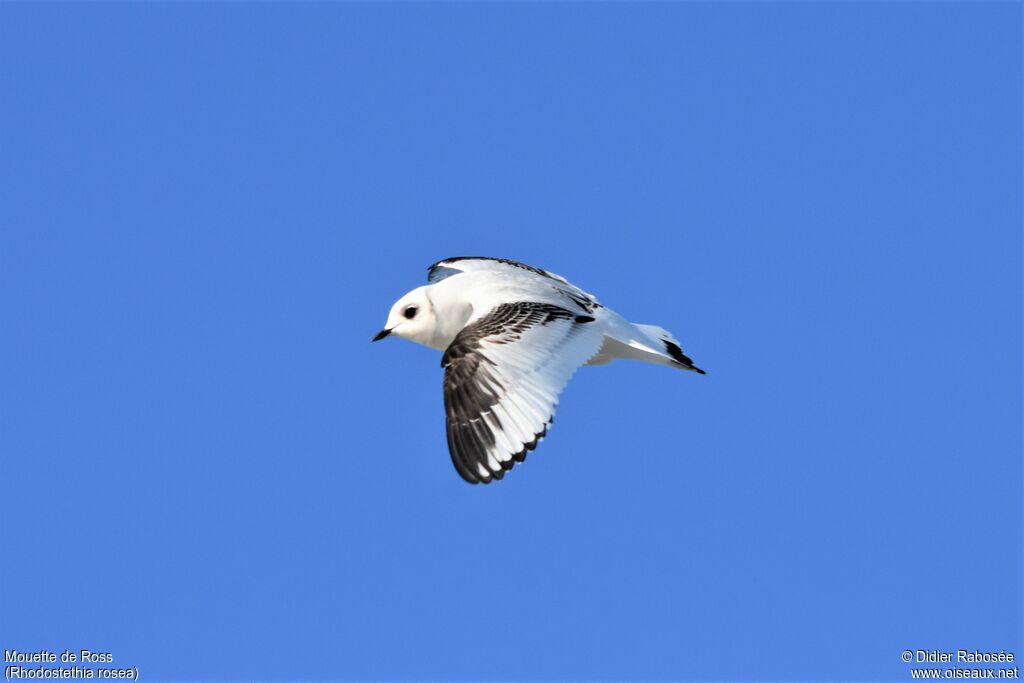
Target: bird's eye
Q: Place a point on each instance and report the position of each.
(409, 312)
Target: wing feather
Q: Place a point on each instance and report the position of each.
(569, 292)
(503, 375)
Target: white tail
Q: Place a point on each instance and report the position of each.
(647, 343)
(668, 346)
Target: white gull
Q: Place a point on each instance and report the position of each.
(512, 336)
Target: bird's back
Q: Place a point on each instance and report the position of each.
(489, 284)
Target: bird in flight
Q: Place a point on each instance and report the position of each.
(512, 336)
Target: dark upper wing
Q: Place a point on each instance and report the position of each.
(503, 375)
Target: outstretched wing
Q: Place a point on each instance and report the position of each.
(461, 264)
(503, 375)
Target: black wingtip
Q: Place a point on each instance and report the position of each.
(678, 356)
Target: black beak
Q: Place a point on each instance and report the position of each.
(381, 335)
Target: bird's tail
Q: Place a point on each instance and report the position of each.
(666, 341)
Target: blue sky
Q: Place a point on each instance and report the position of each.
(207, 210)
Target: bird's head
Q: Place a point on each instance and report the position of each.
(412, 317)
